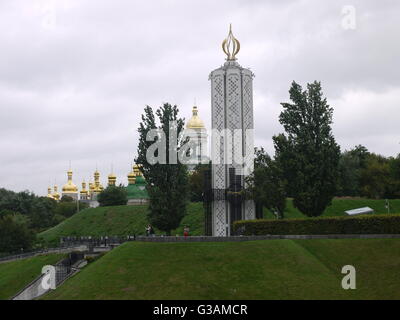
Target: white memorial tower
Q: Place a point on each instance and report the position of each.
(232, 149)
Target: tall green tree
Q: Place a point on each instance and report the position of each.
(361, 153)
(196, 182)
(266, 185)
(394, 171)
(349, 175)
(167, 179)
(375, 178)
(351, 165)
(308, 152)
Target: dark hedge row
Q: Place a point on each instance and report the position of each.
(368, 224)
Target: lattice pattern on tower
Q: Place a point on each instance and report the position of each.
(248, 121)
(250, 210)
(218, 122)
(234, 114)
(220, 218)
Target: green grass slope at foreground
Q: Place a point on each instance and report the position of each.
(269, 269)
(15, 275)
(118, 220)
(340, 205)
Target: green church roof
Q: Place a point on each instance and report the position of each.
(138, 189)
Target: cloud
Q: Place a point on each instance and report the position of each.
(76, 75)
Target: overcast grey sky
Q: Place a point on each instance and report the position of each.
(75, 75)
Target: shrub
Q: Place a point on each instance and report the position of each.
(112, 196)
(371, 224)
(93, 258)
(67, 199)
(90, 259)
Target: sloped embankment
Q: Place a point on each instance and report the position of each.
(270, 269)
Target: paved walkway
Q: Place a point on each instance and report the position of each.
(81, 247)
(35, 289)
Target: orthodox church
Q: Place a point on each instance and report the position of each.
(136, 188)
(197, 132)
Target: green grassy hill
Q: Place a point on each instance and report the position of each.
(124, 220)
(118, 220)
(340, 205)
(15, 275)
(270, 269)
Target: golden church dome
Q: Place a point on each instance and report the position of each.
(49, 194)
(97, 187)
(131, 177)
(69, 187)
(84, 191)
(195, 122)
(55, 194)
(112, 179)
(136, 170)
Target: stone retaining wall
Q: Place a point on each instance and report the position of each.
(266, 237)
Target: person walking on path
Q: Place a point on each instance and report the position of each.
(186, 231)
(152, 233)
(148, 230)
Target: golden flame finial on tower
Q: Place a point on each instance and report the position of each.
(231, 45)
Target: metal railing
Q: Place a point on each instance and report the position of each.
(37, 252)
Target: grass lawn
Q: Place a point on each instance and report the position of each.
(124, 220)
(340, 205)
(270, 269)
(15, 275)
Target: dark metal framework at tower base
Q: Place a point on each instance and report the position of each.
(207, 200)
(234, 194)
